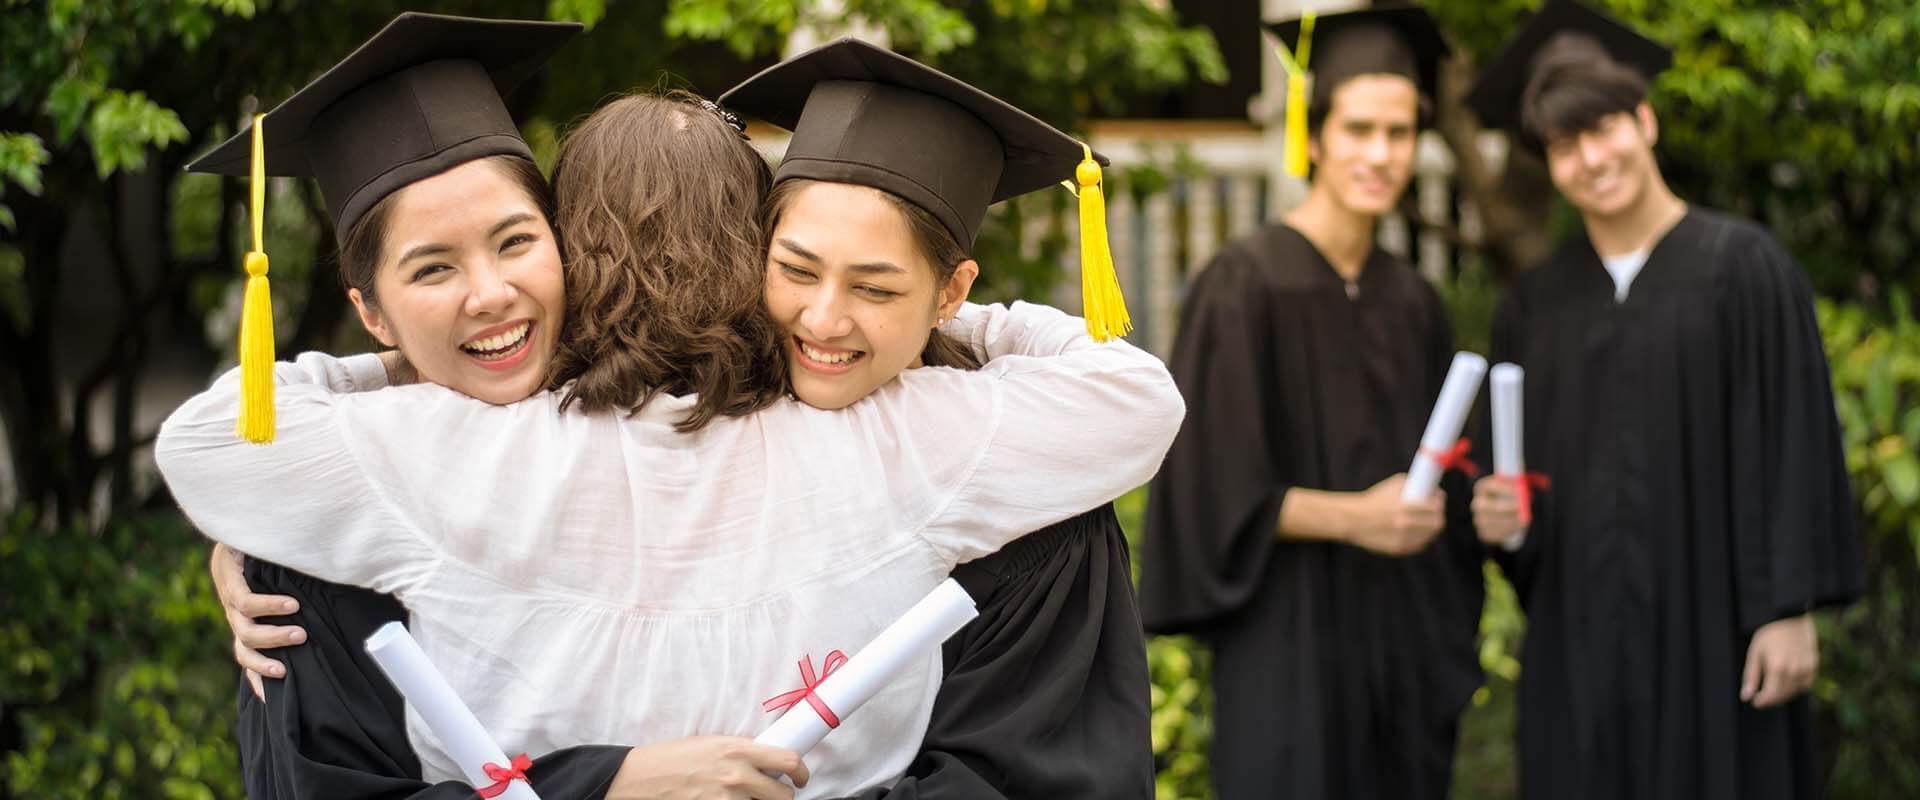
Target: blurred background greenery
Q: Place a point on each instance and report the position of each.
(119, 285)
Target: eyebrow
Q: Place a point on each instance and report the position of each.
(797, 250)
(439, 248)
(871, 267)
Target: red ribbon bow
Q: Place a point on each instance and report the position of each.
(505, 775)
(1523, 486)
(808, 683)
(1454, 458)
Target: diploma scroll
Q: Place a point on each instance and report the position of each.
(428, 692)
(1509, 456)
(1443, 427)
(901, 646)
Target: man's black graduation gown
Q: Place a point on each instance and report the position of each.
(1336, 672)
(1045, 694)
(1699, 492)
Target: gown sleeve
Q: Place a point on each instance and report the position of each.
(1214, 507)
(1796, 542)
(1046, 693)
(334, 728)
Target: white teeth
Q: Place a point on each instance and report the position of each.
(828, 358)
(500, 341)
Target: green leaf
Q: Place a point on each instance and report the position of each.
(124, 125)
(67, 104)
(1902, 474)
(21, 156)
(1880, 395)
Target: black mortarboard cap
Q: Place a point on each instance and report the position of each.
(865, 115)
(1382, 40)
(419, 98)
(1562, 29)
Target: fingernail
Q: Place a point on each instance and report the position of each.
(288, 606)
(276, 670)
(297, 637)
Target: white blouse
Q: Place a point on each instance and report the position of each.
(600, 578)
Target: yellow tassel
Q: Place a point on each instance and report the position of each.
(1296, 141)
(1294, 159)
(1105, 308)
(256, 318)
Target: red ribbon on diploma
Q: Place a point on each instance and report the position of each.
(806, 692)
(505, 775)
(1454, 458)
(1523, 486)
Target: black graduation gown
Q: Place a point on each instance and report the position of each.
(1336, 672)
(1045, 694)
(1699, 492)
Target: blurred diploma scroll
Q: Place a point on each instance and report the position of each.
(1509, 427)
(1443, 427)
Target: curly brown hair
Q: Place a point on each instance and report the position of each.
(658, 205)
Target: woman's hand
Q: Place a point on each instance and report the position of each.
(707, 768)
(242, 606)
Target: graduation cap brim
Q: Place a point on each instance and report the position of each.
(1495, 96)
(507, 51)
(1035, 155)
(1333, 62)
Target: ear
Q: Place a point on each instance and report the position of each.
(1313, 146)
(956, 290)
(1649, 124)
(371, 319)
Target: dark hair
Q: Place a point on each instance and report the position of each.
(665, 267)
(936, 245)
(364, 243)
(1571, 93)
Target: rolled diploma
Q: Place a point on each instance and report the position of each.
(923, 628)
(1506, 382)
(1443, 427)
(424, 688)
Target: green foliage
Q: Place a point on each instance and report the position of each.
(1869, 689)
(114, 663)
(21, 155)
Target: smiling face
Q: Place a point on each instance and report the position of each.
(1607, 169)
(467, 283)
(1363, 152)
(852, 287)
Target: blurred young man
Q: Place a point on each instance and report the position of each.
(1342, 628)
(1678, 398)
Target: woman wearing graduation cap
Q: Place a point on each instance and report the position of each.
(491, 523)
(1341, 618)
(870, 228)
(1677, 395)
